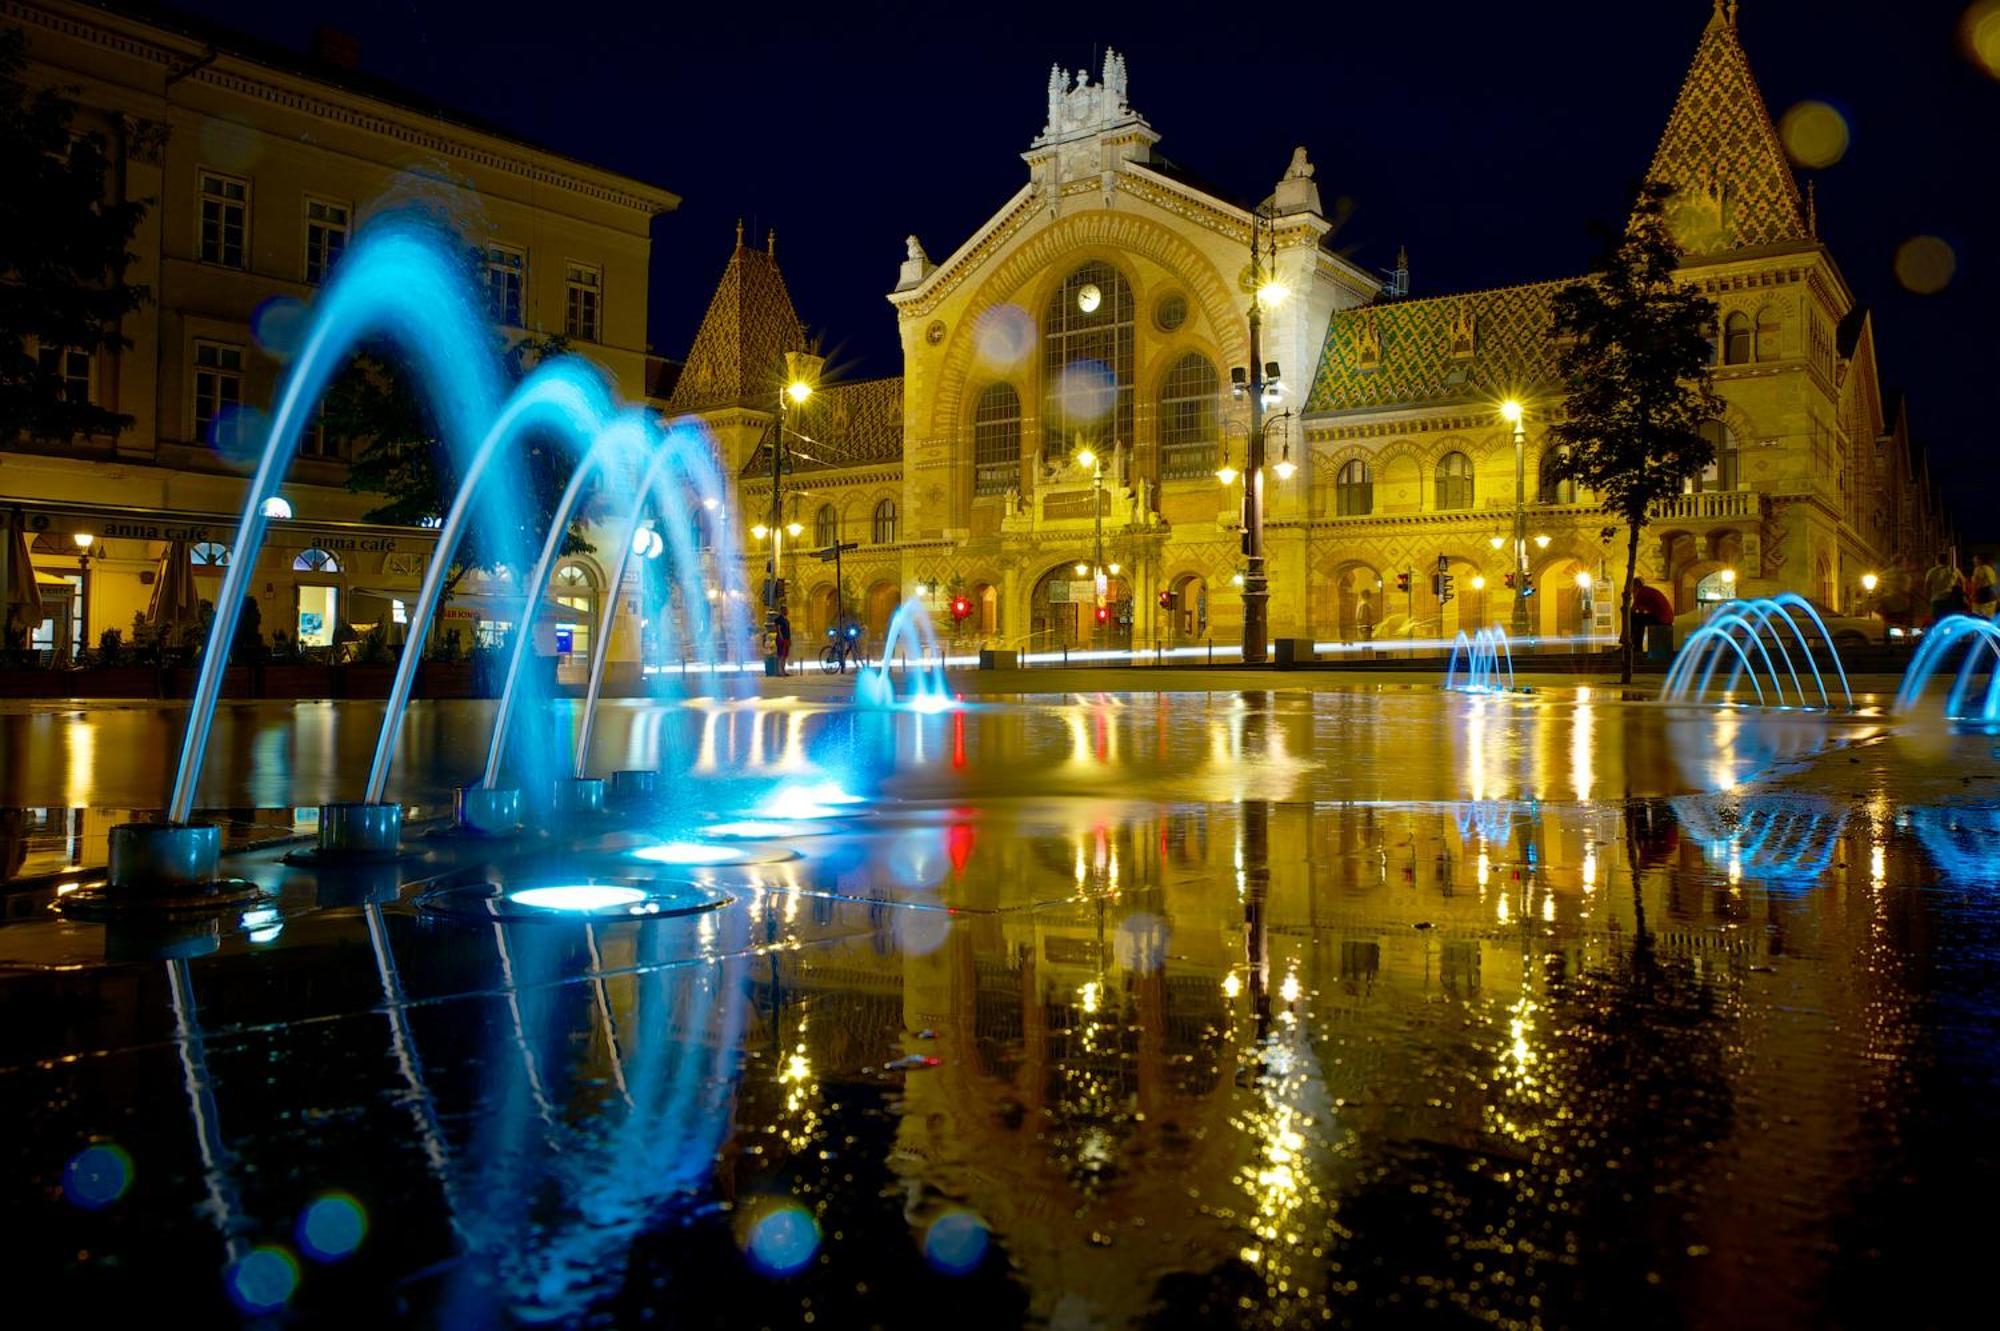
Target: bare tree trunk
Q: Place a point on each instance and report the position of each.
(1630, 640)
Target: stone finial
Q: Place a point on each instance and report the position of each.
(917, 265)
(1296, 192)
(771, 242)
(1301, 167)
(739, 233)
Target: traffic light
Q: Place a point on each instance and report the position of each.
(961, 608)
(1166, 600)
(1444, 588)
(1403, 583)
(1510, 582)
(1103, 614)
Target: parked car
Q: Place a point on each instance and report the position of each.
(1847, 631)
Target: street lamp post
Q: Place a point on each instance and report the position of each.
(801, 374)
(1511, 411)
(1256, 586)
(1088, 457)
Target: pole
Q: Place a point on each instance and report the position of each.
(775, 599)
(1097, 576)
(1256, 592)
(1519, 627)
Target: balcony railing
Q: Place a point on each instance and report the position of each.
(1707, 504)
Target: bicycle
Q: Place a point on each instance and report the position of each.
(836, 656)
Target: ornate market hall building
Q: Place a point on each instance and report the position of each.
(1105, 305)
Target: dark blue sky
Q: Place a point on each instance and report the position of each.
(1486, 136)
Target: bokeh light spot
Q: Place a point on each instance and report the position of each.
(263, 1279)
(1815, 134)
(1088, 391)
(1925, 265)
(278, 325)
(1005, 336)
(97, 1176)
(782, 1239)
(1979, 30)
(237, 433)
(332, 1227)
(956, 1242)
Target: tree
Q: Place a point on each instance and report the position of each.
(1635, 345)
(62, 258)
(377, 411)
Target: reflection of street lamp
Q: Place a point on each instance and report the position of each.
(1510, 411)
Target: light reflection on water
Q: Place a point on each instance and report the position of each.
(1174, 1012)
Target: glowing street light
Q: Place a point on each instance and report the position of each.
(1869, 582)
(793, 529)
(1083, 570)
(1479, 582)
(1511, 412)
(760, 531)
(1284, 466)
(1226, 473)
(1583, 579)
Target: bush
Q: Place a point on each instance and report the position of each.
(111, 648)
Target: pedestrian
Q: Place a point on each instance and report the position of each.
(1982, 589)
(1650, 609)
(1941, 587)
(782, 642)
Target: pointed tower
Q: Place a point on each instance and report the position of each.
(1733, 187)
(738, 355)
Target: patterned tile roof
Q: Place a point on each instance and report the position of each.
(844, 425)
(1474, 347)
(738, 354)
(1734, 187)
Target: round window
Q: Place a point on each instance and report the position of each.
(935, 333)
(1171, 312)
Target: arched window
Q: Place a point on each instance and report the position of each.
(1087, 362)
(996, 440)
(208, 554)
(312, 559)
(885, 522)
(575, 595)
(1736, 339)
(1723, 473)
(826, 526)
(1454, 481)
(1190, 409)
(1354, 490)
(1767, 333)
(1552, 487)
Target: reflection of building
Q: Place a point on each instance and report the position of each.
(259, 166)
(1105, 303)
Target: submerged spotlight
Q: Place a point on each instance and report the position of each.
(582, 897)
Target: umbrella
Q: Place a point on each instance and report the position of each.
(174, 599)
(17, 579)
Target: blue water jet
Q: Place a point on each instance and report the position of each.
(927, 691)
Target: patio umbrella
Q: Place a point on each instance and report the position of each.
(17, 580)
(174, 599)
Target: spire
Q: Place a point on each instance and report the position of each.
(738, 355)
(1733, 188)
(771, 243)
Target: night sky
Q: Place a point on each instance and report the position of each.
(1484, 136)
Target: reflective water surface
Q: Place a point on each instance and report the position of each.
(1377, 1007)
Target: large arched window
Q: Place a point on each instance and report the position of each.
(1354, 490)
(1767, 333)
(996, 440)
(1190, 414)
(312, 559)
(826, 526)
(1454, 481)
(1552, 487)
(1087, 362)
(1724, 472)
(885, 523)
(1736, 339)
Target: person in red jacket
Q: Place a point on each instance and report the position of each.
(1650, 609)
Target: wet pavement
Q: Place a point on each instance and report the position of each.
(1364, 1005)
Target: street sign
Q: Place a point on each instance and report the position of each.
(831, 554)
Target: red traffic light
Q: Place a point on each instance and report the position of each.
(961, 608)
(1103, 614)
(1402, 582)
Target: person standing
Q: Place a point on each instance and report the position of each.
(1982, 589)
(782, 642)
(1941, 586)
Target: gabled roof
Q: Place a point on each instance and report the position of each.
(1733, 186)
(843, 425)
(1413, 352)
(738, 355)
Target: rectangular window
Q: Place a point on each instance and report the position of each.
(326, 237)
(506, 271)
(67, 371)
(585, 292)
(314, 441)
(218, 386)
(225, 219)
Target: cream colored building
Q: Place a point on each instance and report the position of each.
(1107, 302)
(258, 168)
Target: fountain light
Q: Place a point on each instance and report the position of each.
(759, 829)
(582, 898)
(690, 854)
(820, 800)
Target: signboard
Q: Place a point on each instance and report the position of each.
(1079, 591)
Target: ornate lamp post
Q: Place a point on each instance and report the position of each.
(1261, 378)
(1510, 410)
(801, 375)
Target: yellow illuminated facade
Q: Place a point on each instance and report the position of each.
(257, 174)
(1105, 306)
